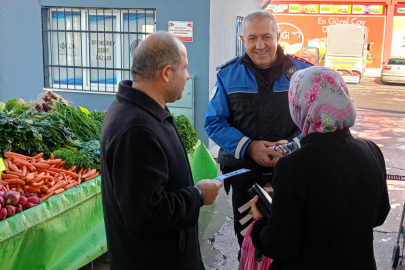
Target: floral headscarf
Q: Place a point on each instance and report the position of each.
(319, 101)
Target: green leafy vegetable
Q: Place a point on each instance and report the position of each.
(31, 133)
(98, 116)
(84, 128)
(16, 106)
(85, 154)
(187, 132)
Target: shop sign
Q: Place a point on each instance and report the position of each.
(336, 9)
(368, 9)
(282, 8)
(332, 8)
(400, 10)
(299, 31)
(299, 8)
(102, 50)
(182, 30)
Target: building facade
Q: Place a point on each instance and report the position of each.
(304, 23)
(82, 49)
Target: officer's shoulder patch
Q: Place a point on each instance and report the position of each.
(227, 63)
(299, 58)
(213, 93)
(290, 72)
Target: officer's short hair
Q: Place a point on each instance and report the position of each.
(260, 15)
(152, 56)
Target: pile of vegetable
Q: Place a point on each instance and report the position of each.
(50, 147)
(31, 133)
(187, 132)
(13, 202)
(85, 154)
(39, 177)
(46, 102)
(83, 127)
(45, 125)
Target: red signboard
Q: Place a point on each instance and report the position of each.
(400, 10)
(334, 8)
(300, 30)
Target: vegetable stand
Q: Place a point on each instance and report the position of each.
(67, 230)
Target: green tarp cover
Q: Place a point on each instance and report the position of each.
(202, 164)
(64, 232)
(67, 230)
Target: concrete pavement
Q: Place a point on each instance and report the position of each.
(219, 246)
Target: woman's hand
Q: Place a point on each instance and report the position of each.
(254, 211)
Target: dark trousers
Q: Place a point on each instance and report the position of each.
(240, 184)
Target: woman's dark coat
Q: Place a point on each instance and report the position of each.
(328, 197)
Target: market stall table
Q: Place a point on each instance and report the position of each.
(67, 230)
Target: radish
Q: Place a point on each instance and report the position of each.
(2, 201)
(10, 210)
(28, 194)
(18, 209)
(29, 205)
(34, 200)
(12, 197)
(23, 200)
(3, 213)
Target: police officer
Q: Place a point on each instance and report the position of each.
(248, 111)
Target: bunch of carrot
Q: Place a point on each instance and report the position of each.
(42, 177)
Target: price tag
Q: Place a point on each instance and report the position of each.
(84, 110)
(2, 166)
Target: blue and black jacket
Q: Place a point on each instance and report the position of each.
(246, 106)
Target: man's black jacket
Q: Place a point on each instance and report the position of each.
(150, 206)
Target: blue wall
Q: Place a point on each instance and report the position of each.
(21, 52)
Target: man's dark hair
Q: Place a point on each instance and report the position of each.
(152, 54)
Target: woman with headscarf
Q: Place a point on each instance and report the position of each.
(329, 194)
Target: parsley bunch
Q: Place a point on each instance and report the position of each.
(85, 154)
(187, 132)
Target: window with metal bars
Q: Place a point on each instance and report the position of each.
(240, 49)
(92, 49)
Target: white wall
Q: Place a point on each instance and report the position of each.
(223, 20)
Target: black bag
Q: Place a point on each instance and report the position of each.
(264, 202)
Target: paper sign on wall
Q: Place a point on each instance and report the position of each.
(182, 30)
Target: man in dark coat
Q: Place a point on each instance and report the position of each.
(151, 207)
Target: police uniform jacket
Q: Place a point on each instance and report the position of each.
(246, 106)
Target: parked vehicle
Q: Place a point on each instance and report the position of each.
(311, 54)
(393, 71)
(346, 50)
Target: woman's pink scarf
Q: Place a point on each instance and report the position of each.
(319, 101)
